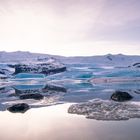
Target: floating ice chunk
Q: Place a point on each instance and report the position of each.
(106, 110)
(113, 80)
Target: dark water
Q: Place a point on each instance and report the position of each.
(48, 118)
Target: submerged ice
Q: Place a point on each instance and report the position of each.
(106, 110)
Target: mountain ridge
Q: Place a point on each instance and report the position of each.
(108, 59)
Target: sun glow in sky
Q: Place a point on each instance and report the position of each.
(70, 27)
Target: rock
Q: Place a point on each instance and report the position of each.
(19, 108)
(121, 96)
(31, 96)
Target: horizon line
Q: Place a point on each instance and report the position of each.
(3, 51)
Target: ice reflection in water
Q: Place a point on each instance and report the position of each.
(33, 95)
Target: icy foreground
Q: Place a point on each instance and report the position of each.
(106, 110)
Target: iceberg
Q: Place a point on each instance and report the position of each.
(46, 67)
(114, 80)
(106, 110)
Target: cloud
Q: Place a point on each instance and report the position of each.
(51, 25)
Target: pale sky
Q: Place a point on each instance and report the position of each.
(70, 27)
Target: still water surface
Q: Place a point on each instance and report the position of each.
(54, 123)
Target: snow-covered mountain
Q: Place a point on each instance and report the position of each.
(109, 59)
(104, 60)
(19, 56)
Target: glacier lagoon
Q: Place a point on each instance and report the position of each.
(50, 118)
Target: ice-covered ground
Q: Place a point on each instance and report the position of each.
(86, 78)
